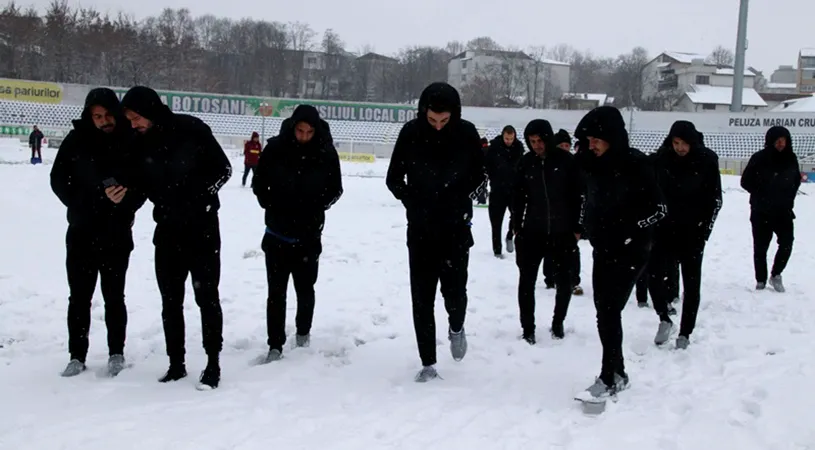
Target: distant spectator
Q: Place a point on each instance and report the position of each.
(35, 143)
(251, 156)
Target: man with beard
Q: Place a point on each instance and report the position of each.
(436, 171)
(298, 179)
(182, 167)
(501, 161)
(623, 203)
(546, 210)
(689, 179)
(772, 177)
(92, 177)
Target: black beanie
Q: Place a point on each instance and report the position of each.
(561, 137)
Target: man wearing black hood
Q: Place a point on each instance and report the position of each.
(623, 202)
(182, 167)
(547, 208)
(92, 177)
(297, 180)
(772, 177)
(689, 178)
(501, 162)
(436, 171)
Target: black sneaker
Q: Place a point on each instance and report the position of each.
(174, 373)
(210, 378)
(557, 329)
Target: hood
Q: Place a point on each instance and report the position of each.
(562, 136)
(541, 128)
(309, 115)
(146, 103)
(684, 130)
(107, 99)
(606, 123)
(499, 141)
(773, 134)
(440, 97)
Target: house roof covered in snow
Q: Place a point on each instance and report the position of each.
(731, 72)
(808, 52)
(719, 95)
(601, 99)
(799, 105)
(684, 57)
(782, 86)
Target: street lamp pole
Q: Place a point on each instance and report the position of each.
(741, 48)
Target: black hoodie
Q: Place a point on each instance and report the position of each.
(182, 167)
(501, 163)
(548, 196)
(86, 158)
(691, 185)
(771, 177)
(623, 200)
(434, 173)
(296, 183)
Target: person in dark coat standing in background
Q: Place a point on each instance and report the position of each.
(436, 171)
(772, 177)
(92, 176)
(546, 214)
(623, 203)
(501, 162)
(564, 142)
(182, 168)
(251, 156)
(35, 144)
(689, 179)
(297, 180)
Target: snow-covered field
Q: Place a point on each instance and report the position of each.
(745, 383)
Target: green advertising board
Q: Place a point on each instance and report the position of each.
(17, 130)
(185, 102)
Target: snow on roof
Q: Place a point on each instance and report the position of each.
(599, 98)
(808, 52)
(782, 86)
(554, 63)
(731, 72)
(806, 104)
(685, 58)
(664, 64)
(718, 95)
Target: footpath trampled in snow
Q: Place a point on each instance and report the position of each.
(745, 383)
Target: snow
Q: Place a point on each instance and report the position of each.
(719, 95)
(745, 383)
(799, 105)
(599, 98)
(731, 72)
(684, 57)
(808, 52)
(782, 86)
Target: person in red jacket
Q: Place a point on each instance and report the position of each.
(251, 156)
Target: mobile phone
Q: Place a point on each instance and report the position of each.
(110, 182)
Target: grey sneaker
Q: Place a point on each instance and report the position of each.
(426, 374)
(302, 340)
(458, 344)
(777, 283)
(682, 342)
(599, 390)
(510, 245)
(663, 332)
(74, 368)
(760, 286)
(116, 364)
(273, 355)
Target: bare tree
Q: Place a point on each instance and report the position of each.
(483, 43)
(721, 56)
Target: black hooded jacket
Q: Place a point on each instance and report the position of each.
(435, 173)
(548, 195)
(690, 184)
(623, 200)
(181, 165)
(86, 158)
(501, 164)
(296, 183)
(771, 177)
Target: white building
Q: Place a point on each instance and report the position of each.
(683, 81)
(519, 74)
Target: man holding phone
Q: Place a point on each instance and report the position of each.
(90, 176)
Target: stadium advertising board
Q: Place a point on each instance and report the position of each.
(244, 105)
(796, 122)
(30, 91)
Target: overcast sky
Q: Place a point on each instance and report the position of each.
(776, 30)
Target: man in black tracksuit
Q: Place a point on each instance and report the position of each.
(182, 167)
(772, 177)
(297, 180)
(689, 179)
(623, 203)
(436, 171)
(546, 210)
(501, 161)
(92, 177)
